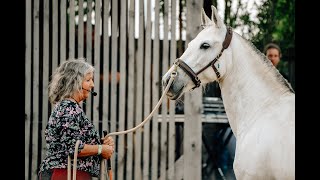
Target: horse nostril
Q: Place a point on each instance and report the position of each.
(165, 81)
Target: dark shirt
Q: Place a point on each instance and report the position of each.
(67, 124)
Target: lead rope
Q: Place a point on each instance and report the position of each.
(75, 156)
(172, 76)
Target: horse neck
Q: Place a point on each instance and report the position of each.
(249, 86)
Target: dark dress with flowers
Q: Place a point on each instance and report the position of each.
(67, 124)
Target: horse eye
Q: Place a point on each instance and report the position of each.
(204, 46)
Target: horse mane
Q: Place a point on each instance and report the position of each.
(268, 63)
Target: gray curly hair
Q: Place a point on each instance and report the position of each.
(67, 79)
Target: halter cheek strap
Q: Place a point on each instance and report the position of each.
(225, 45)
(192, 74)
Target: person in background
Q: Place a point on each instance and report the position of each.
(273, 53)
(72, 83)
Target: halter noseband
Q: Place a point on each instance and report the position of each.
(192, 74)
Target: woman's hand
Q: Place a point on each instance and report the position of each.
(107, 151)
(109, 141)
(107, 147)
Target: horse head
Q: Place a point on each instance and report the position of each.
(203, 60)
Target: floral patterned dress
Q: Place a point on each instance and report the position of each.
(67, 124)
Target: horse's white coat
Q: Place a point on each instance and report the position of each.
(259, 102)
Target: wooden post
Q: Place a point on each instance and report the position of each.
(45, 76)
(28, 83)
(172, 127)
(122, 94)
(131, 77)
(155, 94)
(35, 87)
(147, 95)
(192, 126)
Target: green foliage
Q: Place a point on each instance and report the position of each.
(277, 24)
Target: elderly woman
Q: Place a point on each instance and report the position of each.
(72, 83)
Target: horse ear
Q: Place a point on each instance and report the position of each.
(215, 17)
(204, 18)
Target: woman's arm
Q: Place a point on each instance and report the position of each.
(91, 150)
(88, 150)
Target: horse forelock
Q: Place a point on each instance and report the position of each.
(267, 62)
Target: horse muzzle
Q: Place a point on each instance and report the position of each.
(176, 87)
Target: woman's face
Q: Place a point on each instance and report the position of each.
(87, 85)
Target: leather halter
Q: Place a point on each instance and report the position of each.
(192, 74)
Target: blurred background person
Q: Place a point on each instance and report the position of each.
(273, 53)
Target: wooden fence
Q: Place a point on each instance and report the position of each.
(130, 57)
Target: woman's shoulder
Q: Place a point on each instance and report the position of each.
(67, 107)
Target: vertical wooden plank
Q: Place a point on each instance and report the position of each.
(80, 29)
(55, 26)
(147, 94)
(114, 66)
(139, 93)
(155, 94)
(45, 75)
(89, 53)
(164, 125)
(131, 77)
(122, 88)
(96, 63)
(71, 30)
(172, 135)
(106, 65)
(63, 35)
(35, 87)
(192, 125)
(28, 104)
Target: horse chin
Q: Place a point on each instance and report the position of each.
(175, 93)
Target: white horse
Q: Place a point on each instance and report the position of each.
(259, 102)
